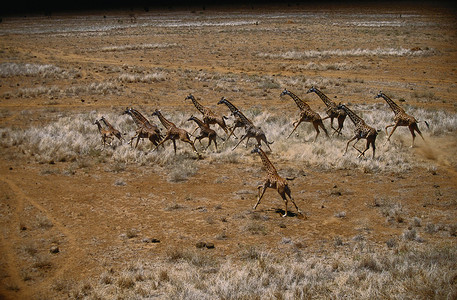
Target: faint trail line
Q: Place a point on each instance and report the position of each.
(21, 199)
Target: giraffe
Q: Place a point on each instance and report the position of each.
(205, 132)
(362, 131)
(273, 180)
(332, 110)
(306, 114)
(145, 129)
(401, 118)
(173, 133)
(209, 117)
(252, 131)
(106, 134)
(115, 132)
(238, 122)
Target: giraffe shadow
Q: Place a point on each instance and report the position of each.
(289, 213)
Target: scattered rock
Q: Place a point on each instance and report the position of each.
(54, 249)
(209, 245)
(200, 245)
(151, 240)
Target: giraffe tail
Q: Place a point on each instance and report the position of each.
(426, 123)
(291, 178)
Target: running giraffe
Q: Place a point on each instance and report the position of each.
(205, 132)
(173, 133)
(115, 132)
(306, 114)
(401, 118)
(145, 129)
(106, 134)
(238, 122)
(362, 131)
(251, 131)
(209, 117)
(332, 110)
(273, 180)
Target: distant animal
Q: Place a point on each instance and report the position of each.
(273, 180)
(110, 127)
(332, 110)
(361, 131)
(145, 129)
(251, 131)
(401, 118)
(209, 117)
(205, 132)
(173, 133)
(107, 135)
(306, 115)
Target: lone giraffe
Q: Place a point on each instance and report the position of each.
(209, 117)
(107, 135)
(252, 131)
(205, 132)
(273, 180)
(115, 132)
(173, 133)
(145, 129)
(362, 131)
(332, 110)
(238, 122)
(306, 114)
(401, 118)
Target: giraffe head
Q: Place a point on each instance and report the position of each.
(379, 95)
(256, 149)
(311, 90)
(191, 97)
(96, 122)
(223, 100)
(285, 92)
(192, 118)
(156, 112)
(127, 111)
(341, 106)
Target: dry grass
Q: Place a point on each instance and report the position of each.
(408, 271)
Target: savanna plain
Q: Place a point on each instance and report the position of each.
(80, 220)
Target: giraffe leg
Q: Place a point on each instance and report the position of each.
(347, 145)
(393, 129)
(316, 127)
(413, 134)
(137, 140)
(298, 123)
(231, 132)
(263, 187)
(285, 203)
(413, 127)
(287, 190)
(247, 141)
(321, 124)
(340, 124)
(242, 138)
(362, 153)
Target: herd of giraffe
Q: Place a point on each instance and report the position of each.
(149, 130)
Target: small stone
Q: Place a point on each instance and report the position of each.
(54, 249)
(209, 245)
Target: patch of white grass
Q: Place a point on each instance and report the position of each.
(137, 47)
(9, 69)
(75, 136)
(347, 53)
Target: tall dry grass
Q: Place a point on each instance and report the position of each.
(405, 272)
(74, 137)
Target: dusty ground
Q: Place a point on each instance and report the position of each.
(99, 222)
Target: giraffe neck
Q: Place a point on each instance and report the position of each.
(198, 121)
(99, 126)
(354, 118)
(107, 123)
(200, 107)
(300, 103)
(266, 162)
(140, 117)
(230, 106)
(167, 124)
(243, 118)
(324, 98)
(396, 109)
